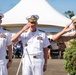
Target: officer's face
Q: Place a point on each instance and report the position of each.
(33, 25)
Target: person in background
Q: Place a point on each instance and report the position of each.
(49, 51)
(5, 42)
(68, 27)
(19, 48)
(35, 45)
(61, 48)
(54, 49)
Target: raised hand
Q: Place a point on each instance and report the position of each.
(68, 27)
(26, 27)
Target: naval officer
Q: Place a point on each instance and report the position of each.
(35, 43)
(5, 41)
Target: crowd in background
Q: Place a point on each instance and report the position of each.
(17, 50)
(56, 49)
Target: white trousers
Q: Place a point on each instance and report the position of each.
(3, 67)
(33, 68)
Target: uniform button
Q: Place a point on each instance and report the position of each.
(26, 44)
(34, 56)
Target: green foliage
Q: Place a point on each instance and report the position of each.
(69, 14)
(70, 58)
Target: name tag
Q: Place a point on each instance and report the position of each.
(39, 38)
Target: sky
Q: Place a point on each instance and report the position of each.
(63, 5)
(60, 5)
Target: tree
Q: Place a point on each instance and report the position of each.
(70, 58)
(69, 14)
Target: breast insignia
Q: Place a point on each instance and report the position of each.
(39, 38)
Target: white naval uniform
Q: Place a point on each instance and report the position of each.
(34, 45)
(5, 40)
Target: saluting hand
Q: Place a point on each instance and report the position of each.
(26, 27)
(68, 27)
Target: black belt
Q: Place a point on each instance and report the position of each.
(34, 56)
(6, 57)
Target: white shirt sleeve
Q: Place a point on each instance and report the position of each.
(9, 36)
(46, 41)
(22, 36)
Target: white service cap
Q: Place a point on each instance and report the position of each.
(1, 15)
(32, 18)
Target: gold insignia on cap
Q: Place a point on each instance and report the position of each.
(32, 19)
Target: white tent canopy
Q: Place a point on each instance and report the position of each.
(48, 16)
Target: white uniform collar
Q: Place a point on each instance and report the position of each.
(36, 32)
(30, 31)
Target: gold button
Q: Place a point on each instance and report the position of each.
(26, 44)
(34, 56)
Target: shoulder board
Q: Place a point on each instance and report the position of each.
(5, 28)
(41, 30)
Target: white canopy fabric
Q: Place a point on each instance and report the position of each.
(48, 16)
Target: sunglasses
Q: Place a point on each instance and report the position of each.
(32, 22)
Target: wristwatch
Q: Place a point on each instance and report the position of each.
(10, 60)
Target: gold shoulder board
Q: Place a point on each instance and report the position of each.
(41, 30)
